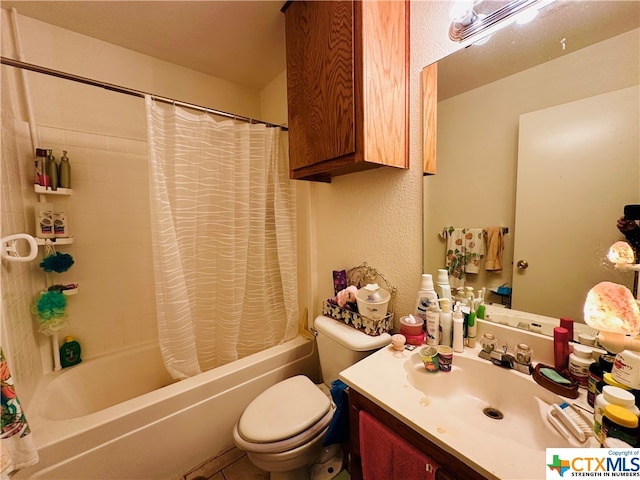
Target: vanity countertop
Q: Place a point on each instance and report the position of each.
(383, 378)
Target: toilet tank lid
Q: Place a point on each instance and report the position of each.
(283, 410)
(348, 336)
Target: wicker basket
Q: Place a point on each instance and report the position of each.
(360, 276)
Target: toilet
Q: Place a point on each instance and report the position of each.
(283, 428)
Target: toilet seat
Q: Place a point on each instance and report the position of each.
(283, 417)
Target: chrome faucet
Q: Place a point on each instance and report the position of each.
(503, 359)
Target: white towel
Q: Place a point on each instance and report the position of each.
(474, 249)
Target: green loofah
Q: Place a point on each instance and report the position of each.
(51, 305)
(57, 262)
(51, 311)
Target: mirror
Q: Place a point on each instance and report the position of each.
(492, 99)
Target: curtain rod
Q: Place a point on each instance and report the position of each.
(127, 91)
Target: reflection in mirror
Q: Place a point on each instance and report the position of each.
(543, 141)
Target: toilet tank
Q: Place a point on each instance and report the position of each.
(340, 346)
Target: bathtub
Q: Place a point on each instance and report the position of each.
(123, 417)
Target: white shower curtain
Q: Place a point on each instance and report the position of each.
(224, 244)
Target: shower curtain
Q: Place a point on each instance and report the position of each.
(223, 238)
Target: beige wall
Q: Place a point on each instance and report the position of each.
(374, 216)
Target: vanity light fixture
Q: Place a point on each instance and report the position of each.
(466, 22)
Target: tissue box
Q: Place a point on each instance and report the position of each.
(360, 322)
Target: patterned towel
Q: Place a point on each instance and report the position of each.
(474, 249)
(455, 259)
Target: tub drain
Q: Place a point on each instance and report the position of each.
(493, 413)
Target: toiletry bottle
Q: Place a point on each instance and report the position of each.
(472, 330)
(458, 330)
(611, 396)
(70, 352)
(579, 362)
(433, 325)
(446, 322)
(426, 296)
(568, 324)
(443, 289)
(618, 422)
(43, 213)
(52, 170)
(460, 298)
(595, 376)
(560, 348)
(41, 160)
(64, 171)
(60, 223)
(468, 295)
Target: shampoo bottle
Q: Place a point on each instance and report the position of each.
(458, 330)
(52, 170)
(433, 325)
(426, 296)
(70, 352)
(446, 322)
(64, 180)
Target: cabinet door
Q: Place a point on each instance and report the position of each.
(320, 81)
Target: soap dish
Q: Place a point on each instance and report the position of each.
(569, 391)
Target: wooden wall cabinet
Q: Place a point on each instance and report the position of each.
(451, 468)
(347, 86)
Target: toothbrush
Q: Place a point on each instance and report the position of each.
(568, 420)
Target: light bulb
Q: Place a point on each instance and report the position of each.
(621, 253)
(611, 307)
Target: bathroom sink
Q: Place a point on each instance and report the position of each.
(480, 398)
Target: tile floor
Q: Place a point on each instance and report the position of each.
(231, 465)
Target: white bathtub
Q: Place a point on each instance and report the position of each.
(121, 417)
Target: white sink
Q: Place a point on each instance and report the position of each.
(485, 399)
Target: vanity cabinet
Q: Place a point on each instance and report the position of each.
(451, 468)
(347, 86)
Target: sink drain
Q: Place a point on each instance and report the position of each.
(493, 413)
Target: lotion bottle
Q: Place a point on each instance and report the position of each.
(472, 330)
(458, 330)
(446, 322)
(426, 296)
(433, 325)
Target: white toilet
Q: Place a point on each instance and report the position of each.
(283, 428)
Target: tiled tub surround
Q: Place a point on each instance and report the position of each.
(157, 435)
(108, 214)
(383, 378)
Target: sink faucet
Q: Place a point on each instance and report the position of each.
(503, 359)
